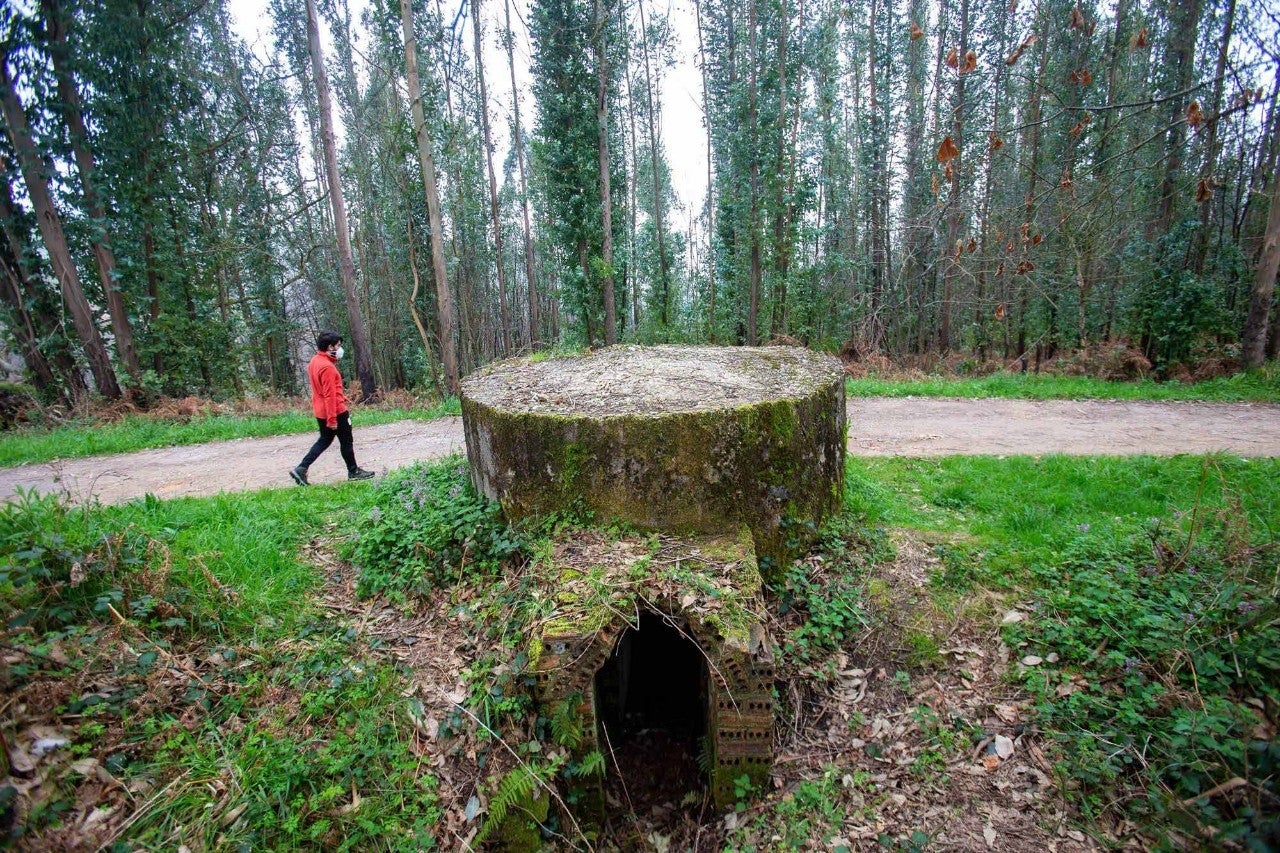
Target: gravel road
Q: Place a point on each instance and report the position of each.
(877, 427)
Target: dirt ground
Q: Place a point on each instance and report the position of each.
(877, 427)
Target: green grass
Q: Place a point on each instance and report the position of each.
(1154, 581)
(139, 432)
(199, 667)
(1257, 387)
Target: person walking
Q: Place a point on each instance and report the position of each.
(329, 403)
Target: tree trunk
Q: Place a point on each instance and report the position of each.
(444, 300)
(606, 193)
(17, 284)
(711, 257)
(951, 258)
(1253, 340)
(55, 241)
(1179, 58)
(493, 184)
(534, 334)
(659, 223)
(1200, 246)
(346, 264)
(753, 148)
(55, 24)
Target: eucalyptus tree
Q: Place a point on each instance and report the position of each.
(34, 170)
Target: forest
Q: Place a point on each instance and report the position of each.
(990, 181)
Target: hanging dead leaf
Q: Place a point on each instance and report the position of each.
(936, 187)
(959, 250)
(1204, 191)
(1194, 115)
(999, 234)
(953, 58)
(947, 172)
(1037, 239)
(1000, 308)
(1077, 19)
(1065, 183)
(994, 142)
(1008, 247)
(1138, 39)
(970, 62)
(947, 151)
(972, 246)
(1023, 268)
(1013, 6)
(1025, 228)
(1081, 76)
(1021, 49)
(916, 32)
(1078, 127)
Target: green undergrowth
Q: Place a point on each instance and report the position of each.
(427, 528)
(179, 651)
(1154, 584)
(1261, 386)
(142, 432)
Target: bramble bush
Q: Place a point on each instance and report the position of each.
(428, 527)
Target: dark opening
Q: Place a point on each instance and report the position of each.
(651, 699)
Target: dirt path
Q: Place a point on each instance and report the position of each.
(877, 427)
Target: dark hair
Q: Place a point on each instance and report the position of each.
(326, 339)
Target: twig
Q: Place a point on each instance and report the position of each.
(1229, 785)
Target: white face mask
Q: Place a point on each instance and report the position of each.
(338, 353)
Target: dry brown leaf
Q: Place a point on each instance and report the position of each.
(1037, 239)
(947, 151)
(994, 142)
(916, 32)
(1194, 115)
(990, 762)
(970, 62)
(1204, 191)
(936, 186)
(947, 172)
(972, 246)
(1139, 39)
(953, 58)
(1023, 267)
(1000, 307)
(1077, 19)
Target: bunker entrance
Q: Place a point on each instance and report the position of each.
(651, 697)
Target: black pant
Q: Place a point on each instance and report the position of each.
(343, 433)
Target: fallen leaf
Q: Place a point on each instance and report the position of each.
(472, 809)
(1012, 617)
(1003, 746)
(989, 834)
(1006, 713)
(1052, 657)
(990, 762)
(1032, 660)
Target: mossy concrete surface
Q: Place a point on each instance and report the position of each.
(677, 439)
(594, 587)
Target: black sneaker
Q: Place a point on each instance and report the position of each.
(299, 476)
(360, 474)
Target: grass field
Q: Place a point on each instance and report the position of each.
(182, 651)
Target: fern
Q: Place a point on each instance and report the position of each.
(566, 725)
(592, 763)
(518, 786)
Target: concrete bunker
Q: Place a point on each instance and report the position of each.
(730, 458)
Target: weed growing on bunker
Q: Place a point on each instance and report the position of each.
(429, 528)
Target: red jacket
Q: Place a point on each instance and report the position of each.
(327, 397)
